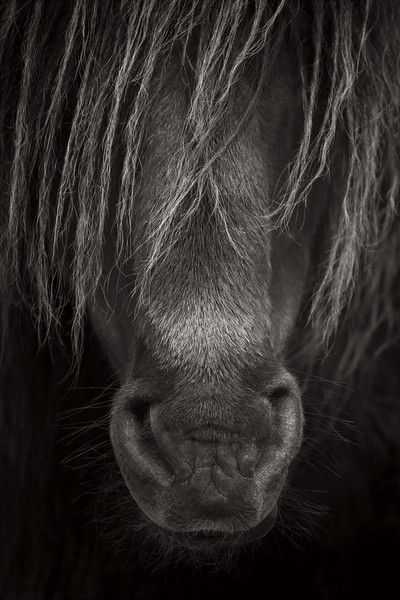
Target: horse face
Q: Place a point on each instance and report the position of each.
(208, 418)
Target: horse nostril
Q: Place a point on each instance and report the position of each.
(141, 412)
(280, 389)
(139, 408)
(140, 458)
(278, 393)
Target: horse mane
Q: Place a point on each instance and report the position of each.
(76, 92)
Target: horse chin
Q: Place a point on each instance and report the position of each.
(208, 543)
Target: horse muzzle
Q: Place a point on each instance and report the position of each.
(202, 471)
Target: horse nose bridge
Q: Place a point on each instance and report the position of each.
(207, 330)
(206, 358)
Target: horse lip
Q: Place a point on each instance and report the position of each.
(250, 535)
(214, 539)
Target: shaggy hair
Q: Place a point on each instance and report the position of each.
(75, 95)
(78, 79)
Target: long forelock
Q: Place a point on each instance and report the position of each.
(90, 66)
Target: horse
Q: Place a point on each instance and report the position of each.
(198, 215)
